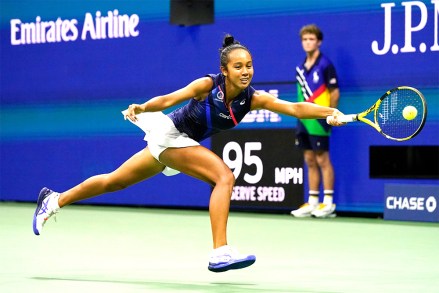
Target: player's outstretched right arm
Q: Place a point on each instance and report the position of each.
(197, 89)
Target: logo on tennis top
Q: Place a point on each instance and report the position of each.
(220, 96)
(242, 102)
(222, 115)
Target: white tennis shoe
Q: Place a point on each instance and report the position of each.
(47, 206)
(304, 210)
(227, 258)
(324, 211)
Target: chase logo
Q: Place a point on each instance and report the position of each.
(431, 204)
(410, 202)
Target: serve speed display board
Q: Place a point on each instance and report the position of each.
(267, 166)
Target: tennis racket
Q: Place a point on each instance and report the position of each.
(399, 114)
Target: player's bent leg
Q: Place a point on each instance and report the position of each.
(201, 163)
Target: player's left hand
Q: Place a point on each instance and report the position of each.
(332, 120)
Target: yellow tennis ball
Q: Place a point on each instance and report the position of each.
(409, 113)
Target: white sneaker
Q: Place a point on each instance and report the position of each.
(227, 258)
(47, 206)
(304, 211)
(324, 211)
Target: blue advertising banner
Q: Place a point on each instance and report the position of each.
(67, 69)
(411, 202)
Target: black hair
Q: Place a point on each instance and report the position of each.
(229, 44)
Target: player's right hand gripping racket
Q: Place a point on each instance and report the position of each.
(399, 114)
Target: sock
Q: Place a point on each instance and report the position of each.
(328, 198)
(54, 201)
(313, 198)
(220, 250)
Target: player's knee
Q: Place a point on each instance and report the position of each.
(111, 185)
(226, 178)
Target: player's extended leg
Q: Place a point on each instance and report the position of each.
(139, 167)
(201, 163)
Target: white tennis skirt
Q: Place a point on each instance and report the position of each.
(161, 133)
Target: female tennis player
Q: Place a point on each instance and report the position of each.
(216, 102)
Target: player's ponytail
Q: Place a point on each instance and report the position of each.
(229, 44)
(228, 40)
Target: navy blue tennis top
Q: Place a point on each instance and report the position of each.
(202, 119)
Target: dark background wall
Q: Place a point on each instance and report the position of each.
(61, 101)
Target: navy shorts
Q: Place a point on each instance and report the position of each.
(312, 142)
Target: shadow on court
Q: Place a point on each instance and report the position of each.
(186, 287)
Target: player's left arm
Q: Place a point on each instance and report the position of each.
(301, 110)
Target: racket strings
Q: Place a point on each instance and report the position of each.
(389, 115)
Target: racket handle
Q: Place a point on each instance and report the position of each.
(344, 118)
